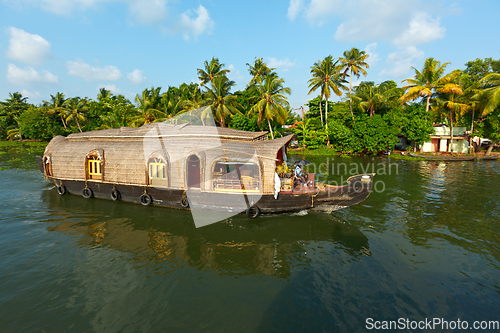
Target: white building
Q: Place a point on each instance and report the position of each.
(441, 139)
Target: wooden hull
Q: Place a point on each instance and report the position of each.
(331, 198)
(487, 158)
(445, 158)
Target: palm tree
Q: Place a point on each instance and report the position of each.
(259, 71)
(148, 106)
(104, 94)
(353, 61)
(490, 85)
(224, 103)
(196, 100)
(425, 83)
(270, 101)
(446, 101)
(317, 73)
(488, 96)
(120, 115)
(211, 71)
(57, 105)
(76, 108)
(13, 132)
(327, 77)
(14, 105)
(370, 97)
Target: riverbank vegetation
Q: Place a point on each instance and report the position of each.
(368, 119)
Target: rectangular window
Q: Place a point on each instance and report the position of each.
(236, 177)
(157, 170)
(94, 168)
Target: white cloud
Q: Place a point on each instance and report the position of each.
(59, 7)
(401, 61)
(148, 11)
(294, 8)
(422, 29)
(111, 87)
(29, 75)
(320, 10)
(64, 7)
(136, 76)
(30, 94)
(28, 48)
(375, 20)
(284, 64)
(235, 74)
(198, 25)
(405, 23)
(89, 73)
(373, 57)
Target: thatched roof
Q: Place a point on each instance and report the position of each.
(171, 131)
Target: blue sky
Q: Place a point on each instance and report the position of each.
(79, 46)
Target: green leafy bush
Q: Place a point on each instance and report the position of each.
(38, 125)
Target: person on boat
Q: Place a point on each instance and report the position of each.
(300, 179)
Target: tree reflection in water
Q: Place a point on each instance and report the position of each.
(166, 238)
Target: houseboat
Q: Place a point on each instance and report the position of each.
(193, 167)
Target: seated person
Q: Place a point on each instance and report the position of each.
(300, 178)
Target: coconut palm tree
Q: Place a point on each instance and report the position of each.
(327, 77)
(120, 115)
(104, 94)
(76, 108)
(354, 62)
(270, 101)
(212, 70)
(425, 83)
(370, 97)
(490, 89)
(57, 105)
(447, 101)
(14, 105)
(317, 73)
(148, 106)
(259, 71)
(224, 103)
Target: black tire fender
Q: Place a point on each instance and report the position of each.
(115, 194)
(253, 211)
(184, 202)
(87, 193)
(62, 190)
(145, 199)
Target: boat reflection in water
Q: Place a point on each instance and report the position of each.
(236, 246)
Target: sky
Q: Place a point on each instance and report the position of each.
(78, 46)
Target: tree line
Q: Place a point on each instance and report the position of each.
(367, 119)
(370, 116)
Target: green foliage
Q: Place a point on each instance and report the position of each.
(491, 126)
(240, 122)
(371, 98)
(416, 124)
(10, 110)
(478, 68)
(340, 136)
(36, 124)
(372, 135)
(314, 108)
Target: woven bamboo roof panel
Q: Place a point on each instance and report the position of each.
(165, 130)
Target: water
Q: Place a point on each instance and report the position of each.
(425, 247)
